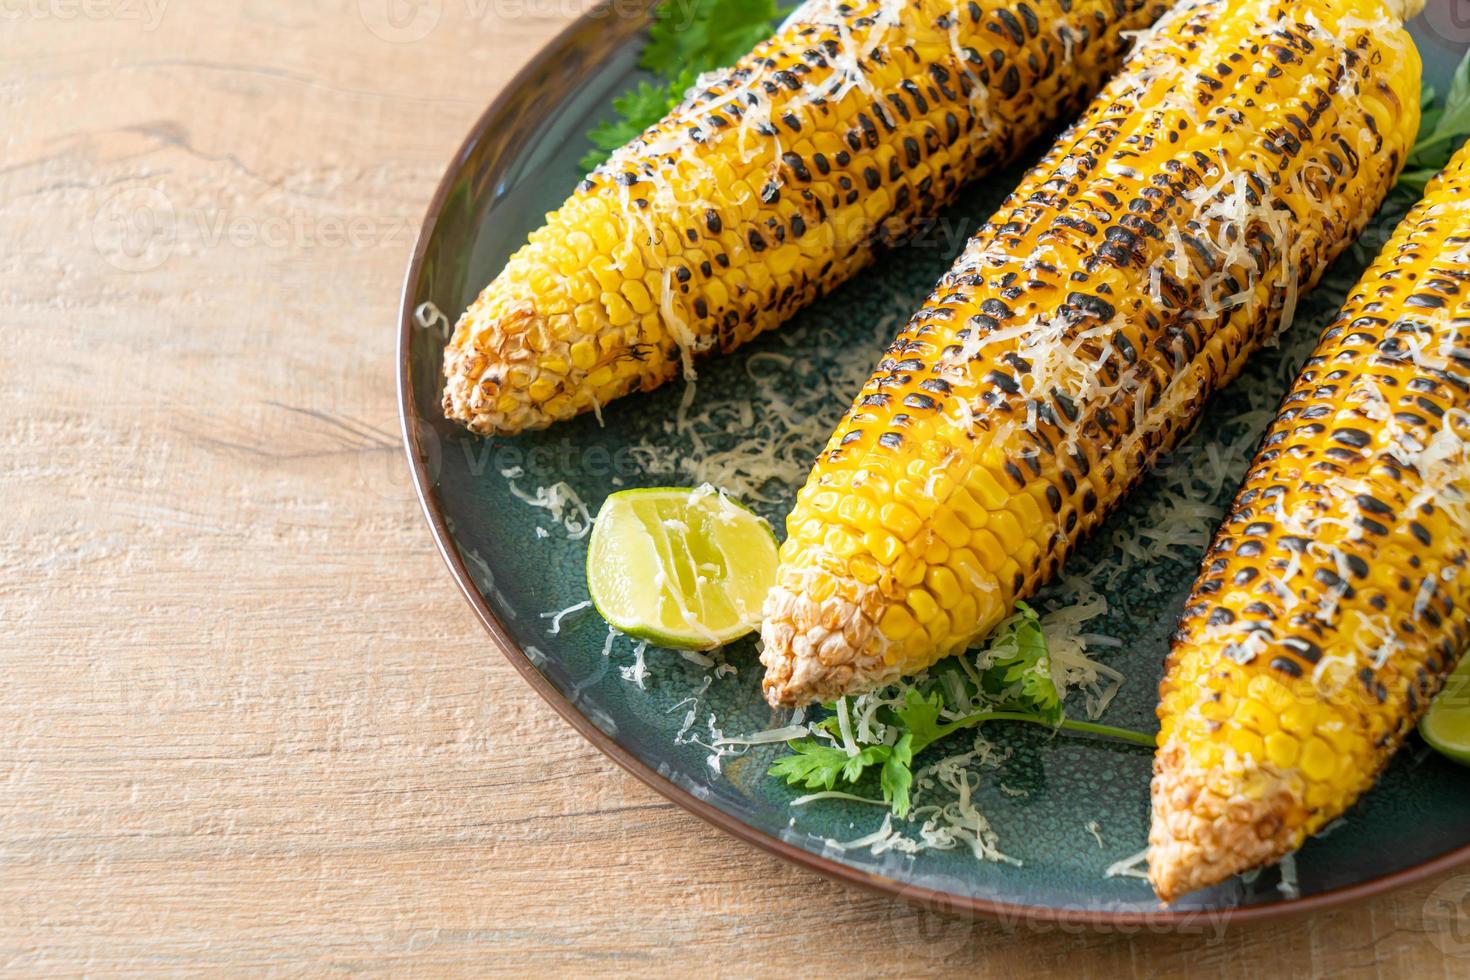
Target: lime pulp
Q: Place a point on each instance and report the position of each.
(679, 567)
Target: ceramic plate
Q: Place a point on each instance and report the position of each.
(515, 562)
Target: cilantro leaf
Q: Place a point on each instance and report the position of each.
(919, 716)
(705, 34)
(638, 108)
(1018, 665)
(817, 766)
(897, 777)
(1441, 132)
(686, 38)
(1015, 684)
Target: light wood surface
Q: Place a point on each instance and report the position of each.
(246, 722)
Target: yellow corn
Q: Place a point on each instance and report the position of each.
(771, 184)
(1334, 598)
(1163, 239)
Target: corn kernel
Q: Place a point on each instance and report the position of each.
(923, 605)
(584, 355)
(864, 569)
(897, 623)
(608, 277)
(1007, 529)
(619, 313)
(1281, 750)
(1318, 761)
(840, 542)
(968, 508)
(935, 551)
(638, 297)
(901, 520)
(1248, 744)
(884, 547)
(1255, 716)
(581, 244)
(946, 588)
(908, 570)
(951, 528)
(1297, 720)
(987, 490)
(783, 260)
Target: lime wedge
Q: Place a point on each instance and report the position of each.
(1446, 725)
(680, 568)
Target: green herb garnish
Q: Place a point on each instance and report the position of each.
(1443, 129)
(687, 38)
(1009, 680)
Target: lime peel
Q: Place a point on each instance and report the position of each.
(1446, 725)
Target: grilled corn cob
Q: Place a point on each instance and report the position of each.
(1162, 240)
(770, 185)
(1334, 598)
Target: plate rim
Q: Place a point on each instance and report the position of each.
(931, 899)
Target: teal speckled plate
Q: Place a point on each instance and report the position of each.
(518, 163)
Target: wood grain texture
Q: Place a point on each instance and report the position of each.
(246, 722)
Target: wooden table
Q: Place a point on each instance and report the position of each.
(246, 722)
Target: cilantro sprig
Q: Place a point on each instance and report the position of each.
(687, 38)
(1443, 129)
(1010, 679)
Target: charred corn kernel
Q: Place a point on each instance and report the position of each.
(784, 173)
(1358, 489)
(1138, 211)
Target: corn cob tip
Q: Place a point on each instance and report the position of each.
(492, 363)
(819, 651)
(1200, 838)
